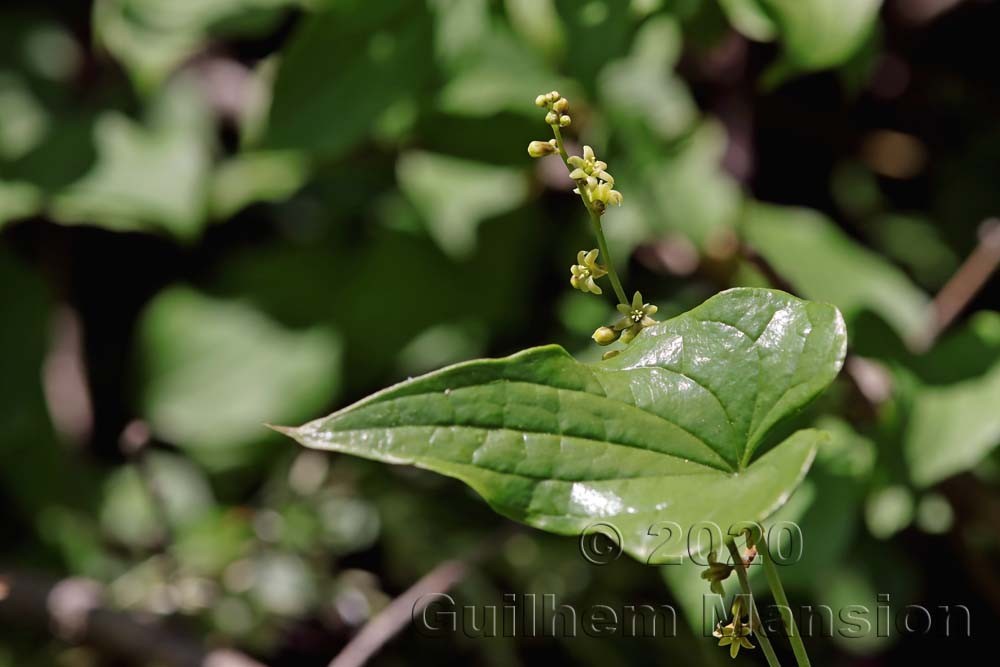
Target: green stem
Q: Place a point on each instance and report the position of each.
(602, 244)
(758, 627)
(778, 591)
(595, 223)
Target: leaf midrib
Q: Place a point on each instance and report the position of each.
(700, 440)
(709, 470)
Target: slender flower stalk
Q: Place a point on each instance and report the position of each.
(595, 221)
(758, 627)
(595, 185)
(778, 591)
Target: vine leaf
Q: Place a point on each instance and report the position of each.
(664, 432)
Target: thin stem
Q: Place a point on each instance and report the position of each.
(962, 287)
(758, 627)
(778, 591)
(602, 244)
(595, 223)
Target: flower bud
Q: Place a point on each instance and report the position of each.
(605, 336)
(554, 96)
(561, 105)
(564, 120)
(552, 118)
(540, 148)
(541, 101)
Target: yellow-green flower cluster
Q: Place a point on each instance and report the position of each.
(592, 174)
(586, 271)
(635, 317)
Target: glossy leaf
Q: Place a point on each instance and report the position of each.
(665, 431)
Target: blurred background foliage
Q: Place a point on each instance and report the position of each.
(220, 213)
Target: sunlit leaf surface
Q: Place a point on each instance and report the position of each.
(667, 430)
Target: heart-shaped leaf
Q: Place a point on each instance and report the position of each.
(664, 432)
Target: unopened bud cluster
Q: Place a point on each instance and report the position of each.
(557, 106)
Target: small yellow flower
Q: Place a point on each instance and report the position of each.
(735, 634)
(602, 195)
(586, 271)
(592, 174)
(589, 165)
(636, 317)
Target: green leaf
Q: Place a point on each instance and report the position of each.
(343, 69)
(688, 190)
(667, 430)
(262, 176)
(499, 78)
(18, 200)
(538, 23)
(749, 17)
(128, 512)
(213, 370)
(152, 38)
(149, 176)
(823, 263)
(455, 195)
(459, 28)
(952, 427)
(818, 34)
(643, 87)
(23, 121)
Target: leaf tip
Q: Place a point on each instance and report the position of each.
(290, 431)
